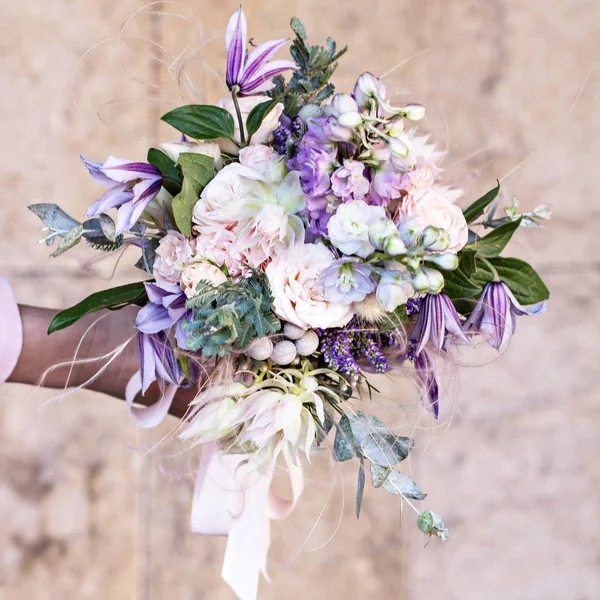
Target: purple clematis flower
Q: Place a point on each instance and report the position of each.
(157, 359)
(133, 186)
(253, 72)
(426, 371)
(495, 313)
(165, 309)
(438, 323)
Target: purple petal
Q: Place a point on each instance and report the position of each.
(146, 360)
(123, 170)
(261, 55)
(426, 371)
(235, 43)
(261, 82)
(94, 169)
(153, 318)
(146, 190)
(115, 196)
(158, 291)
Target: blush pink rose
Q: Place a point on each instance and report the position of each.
(430, 207)
(173, 252)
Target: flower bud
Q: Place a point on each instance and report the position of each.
(394, 245)
(435, 239)
(397, 148)
(420, 281)
(380, 231)
(409, 229)
(448, 261)
(343, 103)
(367, 88)
(414, 112)
(335, 132)
(350, 119)
(436, 280)
(395, 127)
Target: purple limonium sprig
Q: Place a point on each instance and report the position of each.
(133, 185)
(157, 359)
(495, 314)
(251, 73)
(438, 323)
(346, 280)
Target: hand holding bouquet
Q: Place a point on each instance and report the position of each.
(294, 241)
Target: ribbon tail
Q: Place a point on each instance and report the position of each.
(146, 417)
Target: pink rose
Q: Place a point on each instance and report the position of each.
(430, 207)
(173, 251)
(196, 272)
(258, 157)
(423, 176)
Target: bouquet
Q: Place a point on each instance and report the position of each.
(294, 242)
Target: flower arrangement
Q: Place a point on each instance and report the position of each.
(293, 242)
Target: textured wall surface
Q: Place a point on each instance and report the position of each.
(514, 464)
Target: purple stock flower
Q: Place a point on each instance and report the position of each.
(437, 321)
(426, 371)
(348, 182)
(253, 72)
(133, 186)
(346, 280)
(316, 167)
(157, 359)
(495, 313)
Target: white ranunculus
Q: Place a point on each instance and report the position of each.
(349, 227)
(174, 149)
(293, 276)
(193, 274)
(265, 131)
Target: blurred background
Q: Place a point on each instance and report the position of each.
(513, 466)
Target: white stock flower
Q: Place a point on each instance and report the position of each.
(246, 104)
(349, 227)
(293, 276)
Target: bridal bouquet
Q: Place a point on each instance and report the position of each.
(293, 242)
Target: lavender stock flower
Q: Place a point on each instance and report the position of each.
(346, 280)
(437, 318)
(495, 313)
(133, 186)
(251, 73)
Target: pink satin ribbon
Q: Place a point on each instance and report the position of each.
(11, 331)
(232, 497)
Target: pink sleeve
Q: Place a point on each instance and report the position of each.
(11, 331)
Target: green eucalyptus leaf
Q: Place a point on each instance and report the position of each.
(201, 121)
(402, 485)
(521, 278)
(70, 239)
(360, 488)
(385, 450)
(132, 293)
(431, 523)
(478, 207)
(197, 170)
(257, 116)
(379, 475)
(343, 446)
(494, 242)
(166, 165)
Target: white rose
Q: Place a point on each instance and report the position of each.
(226, 191)
(349, 227)
(265, 131)
(174, 149)
(260, 158)
(174, 250)
(193, 274)
(293, 277)
(430, 207)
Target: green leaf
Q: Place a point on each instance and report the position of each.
(521, 278)
(360, 488)
(478, 207)
(201, 121)
(458, 286)
(494, 242)
(72, 238)
(385, 450)
(343, 446)
(402, 485)
(114, 298)
(257, 116)
(431, 523)
(197, 170)
(379, 475)
(395, 320)
(171, 177)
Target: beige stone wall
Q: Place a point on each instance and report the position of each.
(513, 90)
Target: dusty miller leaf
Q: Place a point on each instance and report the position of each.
(402, 485)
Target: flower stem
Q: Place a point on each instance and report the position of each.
(491, 266)
(234, 94)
